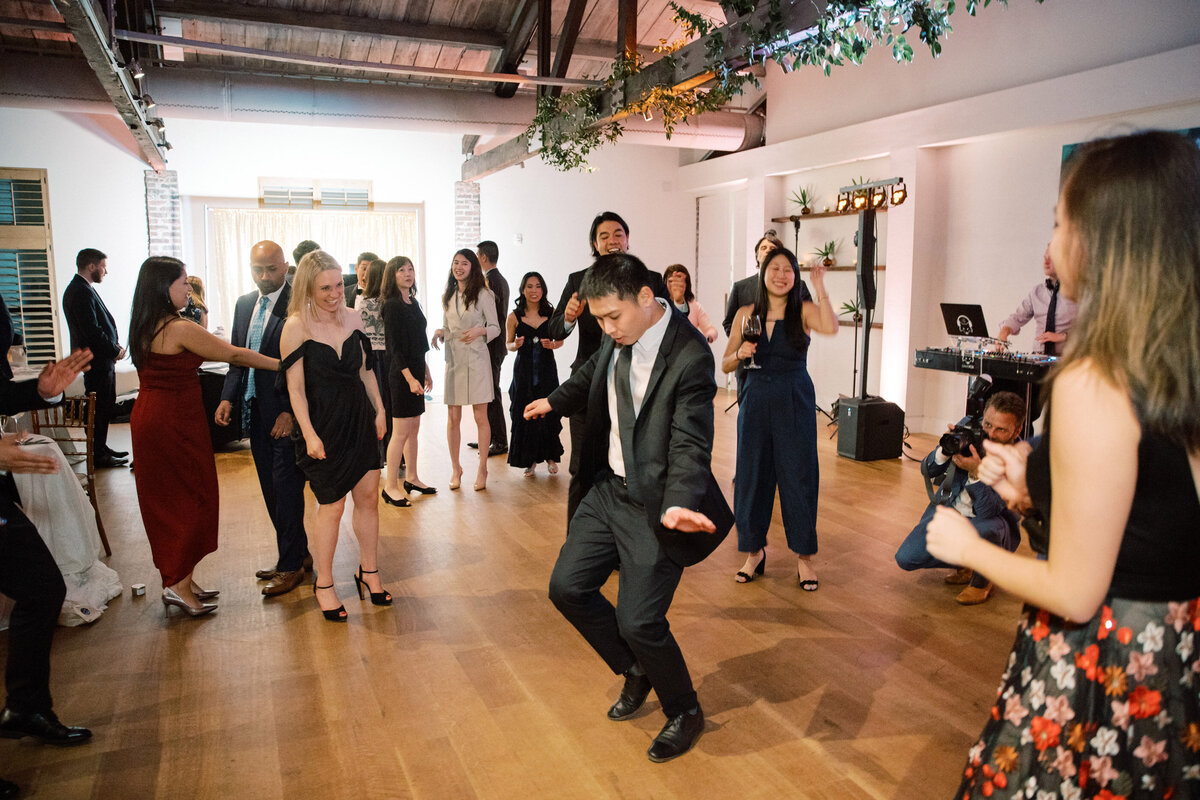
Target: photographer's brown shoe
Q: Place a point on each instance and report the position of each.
(960, 577)
(974, 595)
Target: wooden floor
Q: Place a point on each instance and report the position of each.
(472, 686)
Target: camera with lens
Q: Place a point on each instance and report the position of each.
(968, 431)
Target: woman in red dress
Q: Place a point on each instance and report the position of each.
(176, 475)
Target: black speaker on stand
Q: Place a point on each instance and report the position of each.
(869, 428)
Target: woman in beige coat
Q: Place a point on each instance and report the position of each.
(468, 323)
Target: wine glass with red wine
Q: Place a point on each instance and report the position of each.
(752, 332)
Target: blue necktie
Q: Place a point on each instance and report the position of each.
(253, 341)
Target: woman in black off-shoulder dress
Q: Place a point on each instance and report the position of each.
(339, 420)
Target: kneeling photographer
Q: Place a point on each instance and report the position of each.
(959, 487)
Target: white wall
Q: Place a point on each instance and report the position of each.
(978, 138)
(97, 193)
(553, 211)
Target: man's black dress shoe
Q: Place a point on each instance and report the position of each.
(473, 445)
(633, 695)
(44, 726)
(8, 789)
(117, 453)
(497, 450)
(677, 736)
(107, 462)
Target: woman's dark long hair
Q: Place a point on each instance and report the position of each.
(688, 295)
(793, 315)
(475, 280)
(389, 288)
(152, 308)
(374, 279)
(545, 308)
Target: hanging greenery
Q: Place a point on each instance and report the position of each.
(568, 128)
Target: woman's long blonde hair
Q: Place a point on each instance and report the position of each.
(196, 285)
(307, 271)
(1133, 204)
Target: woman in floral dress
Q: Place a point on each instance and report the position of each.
(1101, 696)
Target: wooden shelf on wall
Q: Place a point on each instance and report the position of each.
(842, 268)
(820, 215)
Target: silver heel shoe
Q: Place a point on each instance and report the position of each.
(170, 598)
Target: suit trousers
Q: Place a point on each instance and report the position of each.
(575, 490)
(610, 530)
(102, 379)
(383, 365)
(914, 554)
(282, 485)
(496, 408)
(30, 577)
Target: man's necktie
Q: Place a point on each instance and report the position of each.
(253, 342)
(1050, 328)
(626, 418)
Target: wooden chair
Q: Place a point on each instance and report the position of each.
(71, 424)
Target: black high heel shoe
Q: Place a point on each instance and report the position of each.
(383, 598)
(334, 614)
(412, 487)
(745, 577)
(403, 502)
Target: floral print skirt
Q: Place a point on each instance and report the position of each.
(1108, 709)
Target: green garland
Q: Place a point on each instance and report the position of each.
(568, 128)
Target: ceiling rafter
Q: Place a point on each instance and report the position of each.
(516, 45)
(91, 35)
(286, 17)
(687, 70)
(567, 41)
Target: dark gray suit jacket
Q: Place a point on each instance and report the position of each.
(673, 435)
(499, 286)
(270, 402)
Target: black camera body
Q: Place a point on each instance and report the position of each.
(968, 432)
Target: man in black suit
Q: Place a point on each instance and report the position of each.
(356, 284)
(250, 401)
(652, 506)
(28, 573)
(609, 234)
(488, 254)
(299, 252)
(93, 328)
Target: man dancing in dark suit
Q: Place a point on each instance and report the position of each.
(93, 328)
(28, 573)
(250, 401)
(651, 504)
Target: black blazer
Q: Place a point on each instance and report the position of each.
(499, 286)
(270, 402)
(743, 293)
(589, 330)
(89, 322)
(673, 435)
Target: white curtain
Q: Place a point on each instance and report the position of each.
(342, 234)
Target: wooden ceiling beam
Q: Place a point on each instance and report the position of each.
(91, 34)
(567, 41)
(688, 69)
(286, 17)
(516, 45)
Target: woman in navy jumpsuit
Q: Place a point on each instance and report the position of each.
(777, 429)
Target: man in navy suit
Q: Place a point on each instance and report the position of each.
(28, 573)
(651, 505)
(962, 490)
(93, 328)
(250, 401)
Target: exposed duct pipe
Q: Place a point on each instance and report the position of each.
(209, 95)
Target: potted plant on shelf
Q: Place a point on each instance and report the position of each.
(804, 197)
(827, 252)
(853, 311)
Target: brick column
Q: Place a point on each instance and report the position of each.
(164, 214)
(466, 214)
